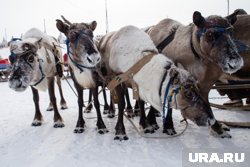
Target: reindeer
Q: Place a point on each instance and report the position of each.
(35, 62)
(85, 66)
(122, 49)
(204, 48)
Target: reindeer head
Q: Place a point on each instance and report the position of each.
(214, 41)
(25, 64)
(188, 98)
(81, 47)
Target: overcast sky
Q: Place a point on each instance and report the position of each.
(17, 16)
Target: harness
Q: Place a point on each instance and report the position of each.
(69, 52)
(128, 76)
(172, 89)
(41, 71)
(167, 40)
(201, 31)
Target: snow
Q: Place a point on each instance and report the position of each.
(45, 146)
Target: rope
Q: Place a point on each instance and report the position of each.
(155, 137)
(70, 85)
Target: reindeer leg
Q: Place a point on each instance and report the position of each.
(38, 118)
(63, 101)
(58, 121)
(217, 130)
(106, 106)
(89, 106)
(101, 128)
(136, 109)
(50, 107)
(80, 121)
(168, 125)
(152, 118)
(129, 108)
(147, 128)
(111, 113)
(120, 133)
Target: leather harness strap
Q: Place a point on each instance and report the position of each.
(128, 76)
(167, 40)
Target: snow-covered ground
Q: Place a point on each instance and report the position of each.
(25, 146)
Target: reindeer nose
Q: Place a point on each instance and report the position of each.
(89, 60)
(98, 59)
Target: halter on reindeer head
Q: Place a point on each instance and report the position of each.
(214, 38)
(80, 45)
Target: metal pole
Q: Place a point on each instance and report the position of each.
(5, 34)
(44, 26)
(106, 10)
(227, 7)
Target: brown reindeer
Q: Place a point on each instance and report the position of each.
(84, 59)
(241, 35)
(205, 48)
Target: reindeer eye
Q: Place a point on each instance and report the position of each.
(30, 58)
(210, 36)
(189, 94)
(189, 91)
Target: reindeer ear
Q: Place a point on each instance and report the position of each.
(93, 25)
(198, 19)
(232, 18)
(64, 28)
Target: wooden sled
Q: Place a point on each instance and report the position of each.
(245, 85)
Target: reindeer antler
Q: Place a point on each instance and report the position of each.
(66, 21)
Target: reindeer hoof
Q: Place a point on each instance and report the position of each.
(105, 112)
(102, 131)
(58, 124)
(148, 129)
(157, 114)
(130, 114)
(155, 126)
(111, 115)
(224, 134)
(169, 131)
(87, 111)
(225, 127)
(49, 109)
(36, 123)
(79, 130)
(121, 137)
(64, 107)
